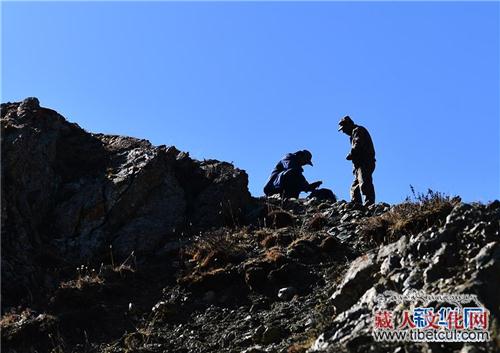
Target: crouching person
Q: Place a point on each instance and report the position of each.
(287, 179)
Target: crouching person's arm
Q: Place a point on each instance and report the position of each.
(314, 186)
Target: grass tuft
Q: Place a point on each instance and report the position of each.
(216, 250)
(417, 213)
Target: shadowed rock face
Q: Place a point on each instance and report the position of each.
(68, 195)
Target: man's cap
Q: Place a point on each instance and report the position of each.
(307, 156)
(345, 121)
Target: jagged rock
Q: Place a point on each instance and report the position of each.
(286, 293)
(357, 280)
(414, 280)
(352, 329)
(396, 248)
(28, 104)
(488, 256)
(481, 283)
(443, 259)
(390, 263)
(70, 195)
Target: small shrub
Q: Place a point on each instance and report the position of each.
(86, 277)
(216, 250)
(275, 255)
(303, 346)
(14, 317)
(414, 215)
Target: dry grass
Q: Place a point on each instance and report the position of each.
(274, 255)
(414, 215)
(303, 346)
(86, 277)
(13, 317)
(217, 250)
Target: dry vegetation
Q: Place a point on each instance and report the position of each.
(13, 317)
(217, 249)
(87, 276)
(84, 278)
(415, 214)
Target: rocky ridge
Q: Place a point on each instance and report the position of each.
(237, 274)
(70, 197)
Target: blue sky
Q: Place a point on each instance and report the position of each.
(248, 82)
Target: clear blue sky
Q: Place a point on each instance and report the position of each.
(249, 82)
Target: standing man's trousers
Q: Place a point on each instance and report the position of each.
(363, 183)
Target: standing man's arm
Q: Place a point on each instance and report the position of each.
(356, 145)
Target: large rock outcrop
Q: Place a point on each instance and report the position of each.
(71, 197)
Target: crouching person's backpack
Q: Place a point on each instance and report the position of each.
(323, 194)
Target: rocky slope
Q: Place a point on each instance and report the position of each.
(110, 244)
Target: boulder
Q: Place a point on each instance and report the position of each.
(358, 279)
(286, 293)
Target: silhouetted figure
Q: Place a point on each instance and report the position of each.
(362, 156)
(287, 179)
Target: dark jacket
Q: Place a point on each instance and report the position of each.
(362, 150)
(289, 164)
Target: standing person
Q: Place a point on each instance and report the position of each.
(362, 155)
(287, 178)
